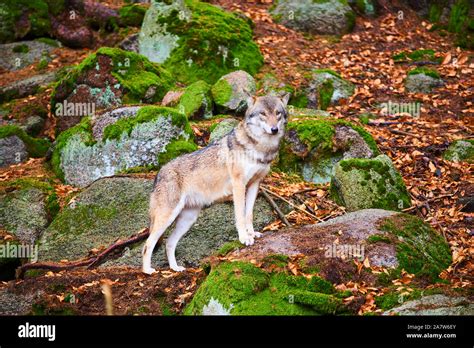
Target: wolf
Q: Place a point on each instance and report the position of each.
(232, 166)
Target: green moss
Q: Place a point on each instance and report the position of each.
(144, 115)
(42, 64)
(228, 247)
(376, 238)
(459, 16)
(202, 37)
(35, 147)
(422, 70)
(325, 94)
(417, 55)
(247, 290)
(299, 99)
(196, 100)
(175, 149)
(420, 249)
(84, 128)
(134, 73)
(278, 260)
(221, 92)
(48, 41)
(328, 71)
(393, 298)
(21, 48)
(460, 150)
(132, 15)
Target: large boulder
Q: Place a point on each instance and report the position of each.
(231, 91)
(255, 282)
(113, 208)
(121, 140)
(16, 146)
(198, 41)
(313, 145)
(369, 183)
(327, 17)
(107, 78)
(460, 151)
(326, 88)
(423, 80)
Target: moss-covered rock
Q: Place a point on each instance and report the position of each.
(460, 151)
(331, 17)
(437, 304)
(196, 101)
(26, 87)
(148, 135)
(388, 239)
(16, 146)
(241, 288)
(198, 41)
(369, 183)
(423, 80)
(132, 15)
(364, 7)
(222, 128)
(417, 55)
(231, 91)
(26, 206)
(313, 145)
(326, 88)
(269, 84)
(107, 78)
(113, 208)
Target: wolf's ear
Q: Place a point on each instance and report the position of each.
(251, 102)
(285, 99)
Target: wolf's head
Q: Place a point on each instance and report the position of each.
(267, 115)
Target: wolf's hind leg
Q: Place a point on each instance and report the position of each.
(184, 221)
(162, 218)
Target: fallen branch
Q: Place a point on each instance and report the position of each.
(291, 204)
(90, 262)
(275, 207)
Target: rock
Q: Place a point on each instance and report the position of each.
(231, 92)
(330, 17)
(23, 211)
(122, 140)
(460, 151)
(130, 43)
(270, 85)
(196, 101)
(369, 183)
(131, 15)
(198, 41)
(172, 98)
(16, 146)
(295, 112)
(34, 125)
(114, 208)
(222, 128)
(312, 146)
(18, 55)
(12, 151)
(326, 88)
(422, 80)
(12, 303)
(71, 22)
(25, 87)
(107, 78)
(435, 305)
(392, 240)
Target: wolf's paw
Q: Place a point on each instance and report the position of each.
(178, 268)
(148, 270)
(247, 240)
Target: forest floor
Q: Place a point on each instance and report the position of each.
(415, 144)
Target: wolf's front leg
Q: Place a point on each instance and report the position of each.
(238, 191)
(251, 196)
